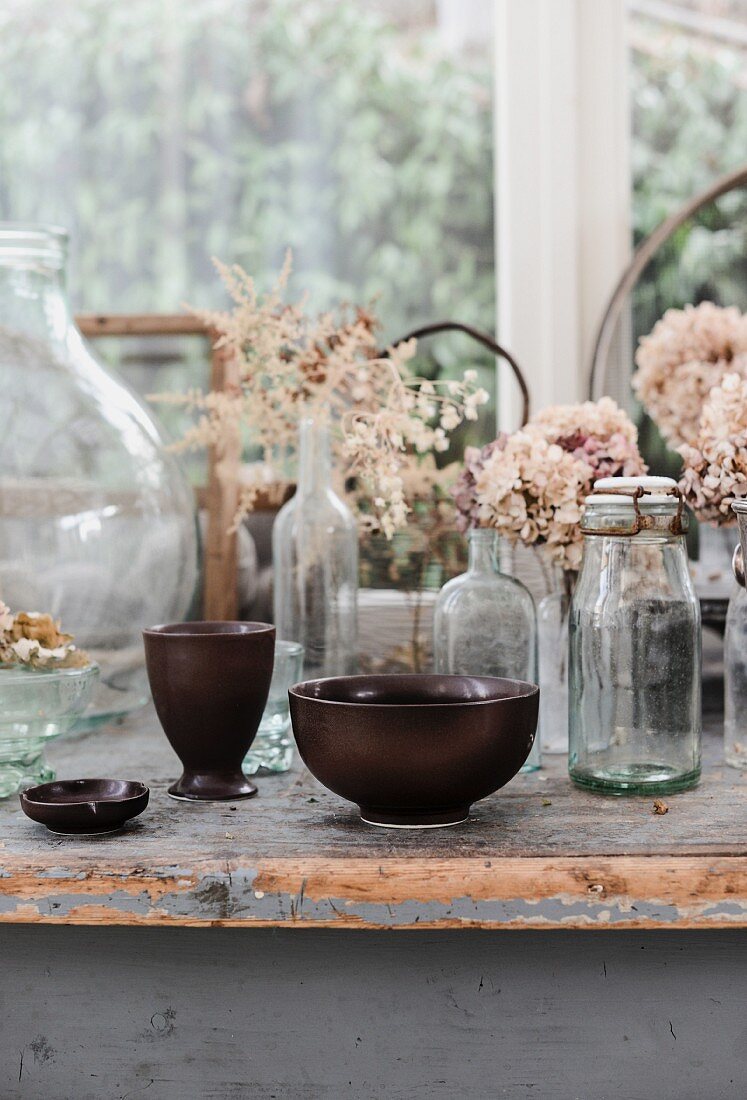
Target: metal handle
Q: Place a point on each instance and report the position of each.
(737, 565)
(481, 338)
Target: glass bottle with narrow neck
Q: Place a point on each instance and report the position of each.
(97, 523)
(485, 622)
(315, 557)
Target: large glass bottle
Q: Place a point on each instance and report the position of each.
(485, 624)
(315, 563)
(97, 522)
(635, 655)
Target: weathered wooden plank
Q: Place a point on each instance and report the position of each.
(621, 892)
(540, 854)
(173, 1014)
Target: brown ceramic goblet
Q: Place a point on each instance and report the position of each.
(210, 682)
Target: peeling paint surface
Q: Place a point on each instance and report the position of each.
(216, 898)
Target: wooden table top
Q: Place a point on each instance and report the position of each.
(538, 854)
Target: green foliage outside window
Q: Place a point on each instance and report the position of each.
(689, 100)
(163, 134)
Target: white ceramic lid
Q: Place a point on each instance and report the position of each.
(654, 489)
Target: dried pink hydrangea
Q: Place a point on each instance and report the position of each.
(688, 353)
(599, 433)
(532, 491)
(463, 490)
(715, 468)
(531, 485)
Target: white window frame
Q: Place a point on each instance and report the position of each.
(563, 190)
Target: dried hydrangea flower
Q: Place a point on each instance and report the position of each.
(531, 490)
(688, 352)
(599, 433)
(463, 490)
(531, 485)
(33, 639)
(715, 467)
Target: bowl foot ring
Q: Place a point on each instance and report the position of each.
(392, 819)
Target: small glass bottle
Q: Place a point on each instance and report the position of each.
(485, 623)
(552, 637)
(635, 656)
(315, 563)
(735, 656)
(271, 751)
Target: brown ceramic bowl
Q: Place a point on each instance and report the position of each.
(414, 751)
(210, 682)
(84, 806)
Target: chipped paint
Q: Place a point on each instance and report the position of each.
(233, 897)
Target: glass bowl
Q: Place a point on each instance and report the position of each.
(35, 706)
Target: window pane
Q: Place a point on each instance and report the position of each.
(689, 127)
(358, 133)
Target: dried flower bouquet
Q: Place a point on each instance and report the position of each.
(531, 485)
(715, 466)
(34, 640)
(688, 352)
(293, 365)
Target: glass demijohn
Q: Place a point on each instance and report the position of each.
(315, 563)
(635, 658)
(97, 523)
(485, 623)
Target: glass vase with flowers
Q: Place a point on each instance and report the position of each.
(361, 413)
(714, 484)
(530, 486)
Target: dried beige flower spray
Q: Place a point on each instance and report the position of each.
(293, 365)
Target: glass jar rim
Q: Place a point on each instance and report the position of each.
(31, 242)
(629, 506)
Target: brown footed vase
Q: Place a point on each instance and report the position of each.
(210, 682)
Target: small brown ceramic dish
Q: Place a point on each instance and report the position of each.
(210, 682)
(414, 751)
(78, 807)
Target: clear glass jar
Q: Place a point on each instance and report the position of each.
(97, 523)
(735, 655)
(37, 705)
(635, 654)
(552, 634)
(315, 563)
(271, 750)
(485, 623)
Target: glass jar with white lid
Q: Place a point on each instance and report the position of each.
(635, 655)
